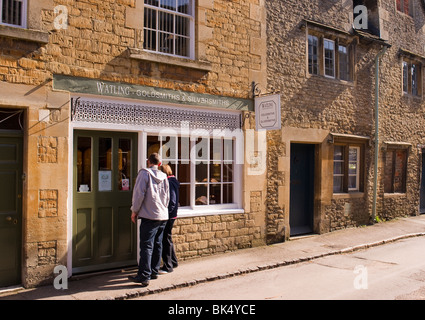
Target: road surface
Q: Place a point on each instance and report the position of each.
(387, 272)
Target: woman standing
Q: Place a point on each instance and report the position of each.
(169, 257)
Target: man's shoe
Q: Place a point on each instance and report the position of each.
(136, 279)
(154, 276)
(162, 271)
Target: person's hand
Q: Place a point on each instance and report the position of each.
(134, 217)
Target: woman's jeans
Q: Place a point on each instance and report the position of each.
(151, 233)
(169, 257)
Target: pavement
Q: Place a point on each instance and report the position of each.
(115, 285)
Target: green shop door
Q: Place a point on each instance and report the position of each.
(10, 208)
(105, 168)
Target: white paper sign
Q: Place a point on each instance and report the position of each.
(105, 181)
(267, 112)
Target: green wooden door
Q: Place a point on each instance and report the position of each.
(105, 168)
(10, 208)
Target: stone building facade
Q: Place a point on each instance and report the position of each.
(71, 72)
(322, 58)
(88, 89)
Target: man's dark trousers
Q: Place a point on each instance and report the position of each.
(151, 233)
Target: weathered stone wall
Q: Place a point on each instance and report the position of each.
(313, 102)
(99, 42)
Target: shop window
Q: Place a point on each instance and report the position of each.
(204, 167)
(395, 171)
(330, 58)
(13, 13)
(347, 169)
(412, 78)
(169, 27)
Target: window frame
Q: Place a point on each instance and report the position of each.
(337, 41)
(401, 7)
(191, 29)
(409, 79)
(194, 209)
(360, 163)
(325, 41)
(24, 15)
(391, 152)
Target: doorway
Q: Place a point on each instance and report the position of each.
(105, 168)
(301, 189)
(11, 168)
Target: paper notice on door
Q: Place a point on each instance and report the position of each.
(105, 181)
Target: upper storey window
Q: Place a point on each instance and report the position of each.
(169, 27)
(331, 58)
(13, 13)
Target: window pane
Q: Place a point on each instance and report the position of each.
(184, 148)
(169, 150)
(228, 172)
(201, 172)
(184, 195)
(352, 182)
(388, 171)
(312, 55)
(338, 167)
(201, 195)
(105, 164)
(152, 2)
(228, 149)
(152, 145)
(338, 187)
(215, 172)
(215, 194)
(168, 4)
(414, 80)
(183, 172)
(124, 164)
(338, 153)
(399, 171)
(405, 77)
(201, 149)
(329, 47)
(344, 66)
(183, 6)
(228, 193)
(84, 164)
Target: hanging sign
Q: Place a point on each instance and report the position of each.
(267, 112)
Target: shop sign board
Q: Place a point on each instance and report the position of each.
(267, 112)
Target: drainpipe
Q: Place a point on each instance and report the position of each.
(375, 178)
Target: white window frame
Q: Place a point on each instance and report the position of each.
(325, 40)
(24, 15)
(193, 209)
(190, 16)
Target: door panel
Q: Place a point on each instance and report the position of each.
(105, 164)
(302, 189)
(10, 208)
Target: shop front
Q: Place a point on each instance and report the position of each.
(111, 135)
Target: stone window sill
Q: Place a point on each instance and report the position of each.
(24, 34)
(140, 54)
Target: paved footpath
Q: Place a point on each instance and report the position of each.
(115, 285)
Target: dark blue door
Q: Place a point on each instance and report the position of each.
(302, 189)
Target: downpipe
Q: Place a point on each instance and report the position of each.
(375, 177)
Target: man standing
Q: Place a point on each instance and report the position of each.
(150, 204)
